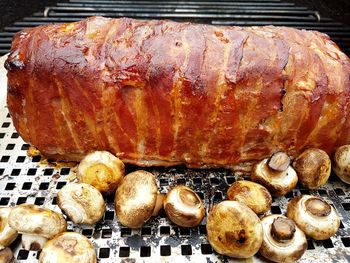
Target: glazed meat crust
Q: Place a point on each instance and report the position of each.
(164, 93)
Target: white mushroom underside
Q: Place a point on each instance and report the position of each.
(283, 248)
(285, 178)
(179, 205)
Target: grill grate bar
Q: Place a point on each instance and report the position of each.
(189, 17)
(180, 10)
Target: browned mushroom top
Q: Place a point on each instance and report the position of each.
(313, 168)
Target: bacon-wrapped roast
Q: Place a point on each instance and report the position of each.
(164, 93)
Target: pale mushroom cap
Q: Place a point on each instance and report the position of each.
(285, 251)
(82, 203)
(6, 255)
(254, 195)
(313, 168)
(32, 219)
(317, 227)
(68, 247)
(102, 170)
(184, 207)
(278, 183)
(234, 230)
(342, 163)
(136, 198)
(7, 234)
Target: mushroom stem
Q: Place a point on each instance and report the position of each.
(282, 229)
(279, 161)
(318, 207)
(159, 204)
(33, 242)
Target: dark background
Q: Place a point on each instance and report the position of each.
(14, 10)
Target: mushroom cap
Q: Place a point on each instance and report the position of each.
(288, 250)
(68, 247)
(159, 204)
(6, 255)
(254, 195)
(102, 170)
(341, 165)
(313, 168)
(34, 220)
(7, 234)
(234, 230)
(278, 183)
(314, 216)
(136, 198)
(82, 203)
(184, 207)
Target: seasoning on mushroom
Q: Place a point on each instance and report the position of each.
(283, 241)
(102, 170)
(342, 163)
(6, 255)
(36, 224)
(254, 195)
(314, 216)
(82, 203)
(313, 168)
(7, 234)
(184, 207)
(136, 198)
(68, 247)
(234, 230)
(268, 173)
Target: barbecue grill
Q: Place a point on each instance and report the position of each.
(33, 180)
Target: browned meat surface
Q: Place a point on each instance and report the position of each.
(163, 93)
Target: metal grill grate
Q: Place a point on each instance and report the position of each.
(250, 12)
(26, 179)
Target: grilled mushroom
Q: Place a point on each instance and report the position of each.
(7, 234)
(136, 198)
(313, 168)
(102, 170)
(234, 230)
(184, 207)
(283, 241)
(254, 195)
(68, 247)
(267, 173)
(36, 224)
(82, 203)
(342, 163)
(6, 255)
(314, 216)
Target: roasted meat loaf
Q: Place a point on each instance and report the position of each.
(165, 93)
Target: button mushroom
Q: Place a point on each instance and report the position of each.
(82, 203)
(314, 216)
(7, 234)
(6, 255)
(136, 198)
(36, 224)
(313, 168)
(254, 195)
(234, 230)
(184, 207)
(68, 247)
(268, 173)
(342, 163)
(102, 170)
(283, 241)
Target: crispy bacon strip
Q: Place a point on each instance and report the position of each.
(165, 93)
